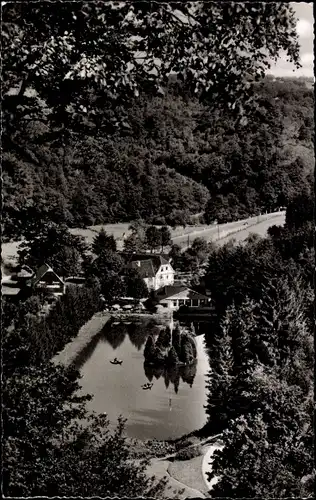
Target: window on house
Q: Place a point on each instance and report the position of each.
(188, 302)
(195, 302)
(175, 303)
(181, 302)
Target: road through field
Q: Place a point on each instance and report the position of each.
(237, 230)
(181, 236)
(260, 229)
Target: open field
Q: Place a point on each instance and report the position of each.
(119, 231)
(189, 472)
(184, 236)
(180, 486)
(181, 236)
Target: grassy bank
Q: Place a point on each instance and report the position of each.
(86, 334)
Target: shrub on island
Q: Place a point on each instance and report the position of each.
(170, 348)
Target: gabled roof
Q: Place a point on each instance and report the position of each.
(156, 259)
(167, 292)
(42, 270)
(145, 269)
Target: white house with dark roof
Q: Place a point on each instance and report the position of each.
(155, 269)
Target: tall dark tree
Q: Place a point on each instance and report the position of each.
(132, 244)
(165, 237)
(103, 241)
(186, 355)
(172, 358)
(149, 349)
(153, 238)
(135, 285)
(282, 433)
(176, 340)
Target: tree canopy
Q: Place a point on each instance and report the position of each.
(54, 245)
(74, 65)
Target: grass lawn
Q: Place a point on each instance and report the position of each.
(189, 472)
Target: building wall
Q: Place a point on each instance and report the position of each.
(150, 282)
(182, 299)
(50, 284)
(164, 276)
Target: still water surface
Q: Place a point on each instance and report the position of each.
(174, 405)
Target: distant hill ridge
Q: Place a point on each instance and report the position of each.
(174, 158)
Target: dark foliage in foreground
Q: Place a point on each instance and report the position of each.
(261, 358)
(48, 452)
(49, 439)
(36, 339)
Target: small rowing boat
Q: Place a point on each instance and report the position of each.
(116, 361)
(147, 386)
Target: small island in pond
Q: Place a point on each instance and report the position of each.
(171, 348)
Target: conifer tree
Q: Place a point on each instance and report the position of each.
(103, 242)
(149, 350)
(176, 340)
(186, 350)
(172, 358)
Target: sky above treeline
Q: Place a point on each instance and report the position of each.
(305, 30)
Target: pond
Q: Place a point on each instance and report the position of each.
(175, 404)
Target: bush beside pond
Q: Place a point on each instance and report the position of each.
(188, 453)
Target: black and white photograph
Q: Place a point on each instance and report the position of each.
(157, 249)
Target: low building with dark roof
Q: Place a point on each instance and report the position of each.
(10, 292)
(173, 297)
(155, 269)
(13, 290)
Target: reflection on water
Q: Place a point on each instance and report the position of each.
(172, 374)
(174, 405)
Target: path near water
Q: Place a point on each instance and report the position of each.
(86, 333)
(207, 464)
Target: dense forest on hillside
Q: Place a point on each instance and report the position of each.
(171, 158)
